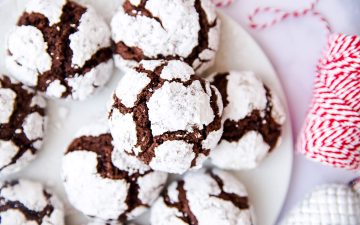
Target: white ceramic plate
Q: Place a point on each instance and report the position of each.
(267, 185)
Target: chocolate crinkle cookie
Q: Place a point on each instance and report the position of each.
(107, 184)
(166, 116)
(253, 119)
(205, 197)
(22, 125)
(24, 202)
(166, 29)
(61, 48)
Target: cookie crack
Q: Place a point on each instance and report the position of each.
(140, 10)
(236, 200)
(221, 83)
(182, 205)
(31, 215)
(57, 38)
(203, 34)
(13, 131)
(259, 121)
(102, 146)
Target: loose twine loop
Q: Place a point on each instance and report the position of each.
(281, 15)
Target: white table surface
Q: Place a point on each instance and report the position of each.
(294, 46)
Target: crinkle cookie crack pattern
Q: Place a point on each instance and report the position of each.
(145, 138)
(103, 147)
(183, 204)
(57, 39)
(260, 121)
(136, 53)
(29, 214)
(22, 108)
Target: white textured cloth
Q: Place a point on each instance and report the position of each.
(333, 204)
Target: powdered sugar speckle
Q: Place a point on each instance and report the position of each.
(278, 112)
(55, 89)
(176, 107)
(247, 153)
(52, 9)
(26, 65)
(84, 45)
(212, 139)
(176, 70)
(86, 84)
(7, 100)
(131, 86)
(128, 163)
(173, 157)
(34, 125)
(39, 101)
(8, 151)
(123, 130)
(246, 92)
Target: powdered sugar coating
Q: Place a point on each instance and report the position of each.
(8, 151)
(203, 199)
(173, 157)
(105, 195)
(128, 163)
(23, 123)
(177, 107)
(7, 101)
(246, 92)
(86, 84)
(138, 80)
(252, 113)
(327, 204)
(51, 9)
(125, 129)
(176, 70)
(247, 153)
(163, 114)
(25, 65)
(278, 112)
(31, 196)
(167, 28)
(55, 89)
(32, 128)
(44, 64)
(84, 45)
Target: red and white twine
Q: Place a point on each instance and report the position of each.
(281, 15)
(331, 132)
(222, 3)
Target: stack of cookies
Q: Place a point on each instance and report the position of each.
(163, 117)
